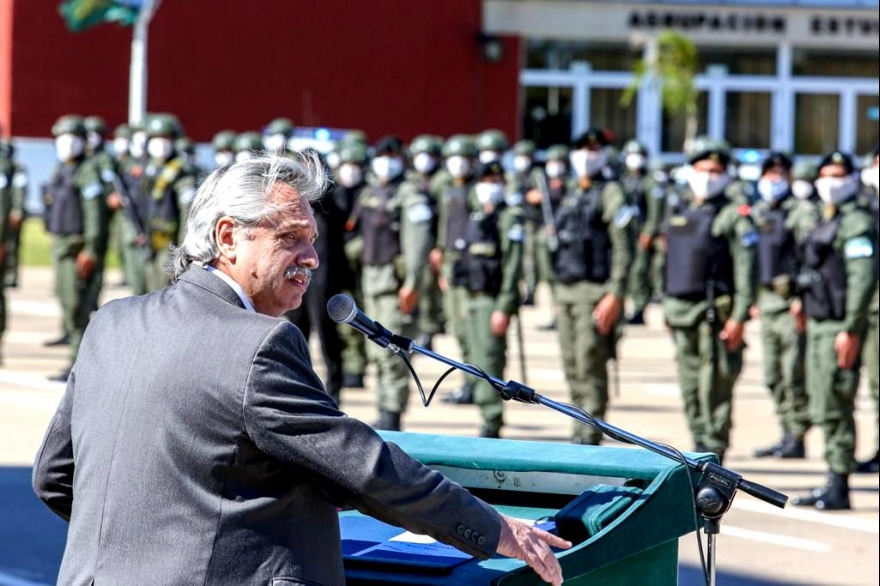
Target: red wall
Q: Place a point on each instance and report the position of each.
(383, 66)
(5, 65)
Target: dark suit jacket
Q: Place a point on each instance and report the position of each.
(196, 445)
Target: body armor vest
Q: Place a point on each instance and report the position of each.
(380, 225)
(698, 263)
(634, 187)
(822, 281)
(165, 211)
(479, 267)
(584, 252)
(66, 213)
(777, 250)
(457, 216)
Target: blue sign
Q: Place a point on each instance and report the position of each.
(874, 113)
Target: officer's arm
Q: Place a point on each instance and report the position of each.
(654, 196)
(743, 240)
(94, 205)
(19, 190)
(512, 234)
(415, 231)
(618, 218)
(857, 245)
(185, 190)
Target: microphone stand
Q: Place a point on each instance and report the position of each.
(713, 493)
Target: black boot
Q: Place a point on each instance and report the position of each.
(637, 318)
(61, 377)
(388, 421)
(490, 432)
(770, 451)
(871, 466)
(529, 299)
(64, 340)
(792, 448)
(464, 395)
(548, 327)
(353, 381)
(834, 496)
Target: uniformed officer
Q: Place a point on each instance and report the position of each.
(248, 145)
(522, 180)
(648, 196)
(131, 202)
(488, 268)
(454, 212)
(276, 136)
(803, 178)
(7, 172)
(591, 266)
(782, 221)
(492, 144)
(17, 185)
(395, 225)
(186, 149)
(96, 131)
(78, 222)
(224, 147)
(871, 355)
(709, 283)
(172, 186)
(838, 281)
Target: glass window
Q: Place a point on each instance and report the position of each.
(747, 118)
(674, 127)
(740, 60)
(827, 62)
(547, 115)
(549, 54)
(816, 123)
(607, 112)
(867, 131)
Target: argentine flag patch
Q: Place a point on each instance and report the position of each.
(751, 239)
(859, 248)
(92, 191)
(419, 213)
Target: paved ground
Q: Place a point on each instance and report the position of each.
(758, 545)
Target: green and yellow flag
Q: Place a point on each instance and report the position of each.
(82, 14)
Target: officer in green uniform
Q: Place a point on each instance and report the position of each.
(248, 145)
(426, 162)
(711, 255)
(453, 212)
(77, 219)
(521, 180)
(18, 187)
(871, 355)
(491, 145)
(803, 178)
(648, 196)
(488, 268)
(172, 186)
(96, 131)
(838, 281)
(276, 136)
(591, 266)
(186, 149)
(224, 147)
(131, 202)
(395, 225)
(782, 221)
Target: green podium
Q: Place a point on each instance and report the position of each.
(623, 508)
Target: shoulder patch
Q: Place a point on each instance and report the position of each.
(108, 175)
(419, 213)
(624, 216)
(92, 190)
(516, 233)
(750, 239)
(860, 247)
(658, 193)
(3, 181)
(20, 180)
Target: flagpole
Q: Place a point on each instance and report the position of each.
(137, 82)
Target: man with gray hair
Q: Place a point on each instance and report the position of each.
(196, 445)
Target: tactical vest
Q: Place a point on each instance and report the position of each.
(479, 268)
(777, 250)
(822, 281)
(634, 187)
(697, 262)
(584, 252)
(165, 210)
(458, 215)
(65, 215)
(380, 225)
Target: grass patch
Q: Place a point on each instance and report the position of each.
(36, 246)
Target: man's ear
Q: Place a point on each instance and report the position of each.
(224, 234)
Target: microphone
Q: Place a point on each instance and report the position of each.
(342, 309)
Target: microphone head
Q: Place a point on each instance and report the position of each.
(341, 308)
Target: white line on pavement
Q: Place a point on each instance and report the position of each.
(40, 402)
(43, 309)
(663, 390)
(548, 374)
(775, 539)
(30, 381)
(831, 519)
(10, 580)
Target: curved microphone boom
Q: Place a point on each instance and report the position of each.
(342, 309)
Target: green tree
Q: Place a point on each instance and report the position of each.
(673, 60)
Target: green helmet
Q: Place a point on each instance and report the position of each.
(634, 147)
(163, 125)
(704, 147)
(122, 131)
(185, 145)
(352, 153)
(557, 152)
(524, 147)
(805, 171)
(249, 141)
(425, 143)
(95, 124)
(355, 136)
(492, 140)
(69, 124)
(459, 145)
(224, 140)
(280, 126)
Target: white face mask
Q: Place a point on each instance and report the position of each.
(588, 163)
(275, 143)
(870, 177)
(555, 169)
(160, 148)
(636, 162)
(387, 168)
(94, 140)
(489, 193)
(489, 157)
(707, 185)
(120, 146)
(424, 163)
(458, 166)
(138, 145)
(522, 163)
(837, 190)
(244, 156)
(69, 147)
(333, 160)
(350, 174)
(773, 189)
(802, 189)
(223, 158)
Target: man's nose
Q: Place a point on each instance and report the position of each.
(310, 259)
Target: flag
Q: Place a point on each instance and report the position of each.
(82, 14)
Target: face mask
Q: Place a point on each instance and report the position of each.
(350, 175)
(275, 143)
(707, 185)
(555, 169)
(522, 163)
(160, 148)
(120, 146)
(387, 168)
(514, 199)
(69, 147)
(636, 162)
(458, 166)
(588, 163)
(244, 156)
(224, 158)
(802, 189)
(490, 193)
(773, 189)
(870, 177)
(333, 160)
(138, 145)
(489, 157)
(424, 163)
(94, 140)
(837, 190)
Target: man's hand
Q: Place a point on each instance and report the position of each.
(85, 265)
(646, 242)
(532, 546)
(435, 258)
(732, 334)
(754, 312)
(408, 300)
(534, 197)
(848, 346)
(607, 313)
(499, 323)
(16, 219)
(114, 201)
(800, 318)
